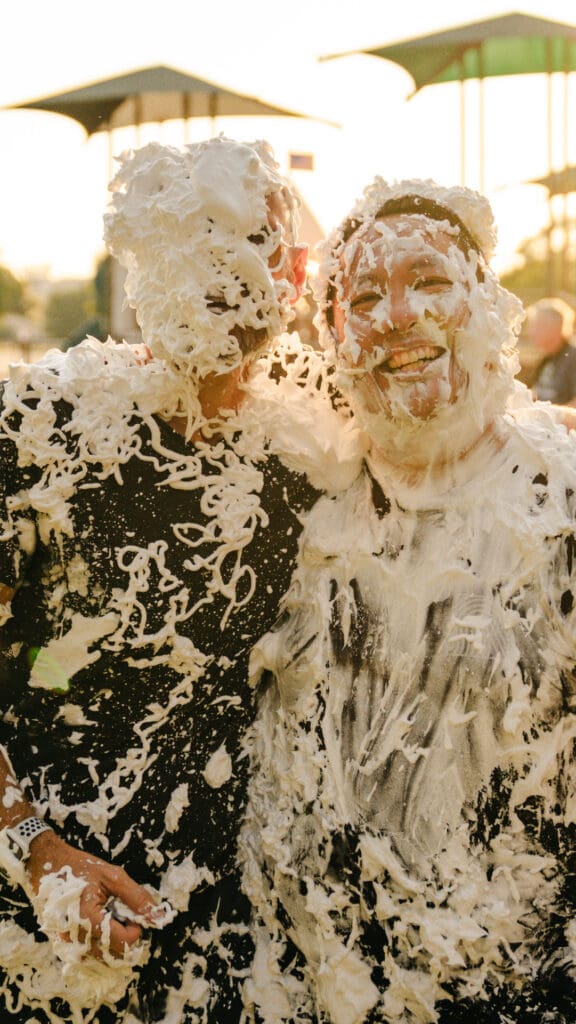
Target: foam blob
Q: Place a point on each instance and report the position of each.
(196, 230)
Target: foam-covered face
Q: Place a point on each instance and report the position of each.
(240, 287)
(400, 314)
(206, 240)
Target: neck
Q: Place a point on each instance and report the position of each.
(437, 463)
(218, 395)
(222, 393)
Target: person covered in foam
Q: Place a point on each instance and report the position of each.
(150, 511)
(409, 839)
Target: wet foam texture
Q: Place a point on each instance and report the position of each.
(194, 230)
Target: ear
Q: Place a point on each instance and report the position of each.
(298, 262)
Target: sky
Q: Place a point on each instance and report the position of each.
(53, 179)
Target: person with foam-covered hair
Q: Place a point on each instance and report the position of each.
(409, 838)
(217, 233)
(461, 249)
(151, 500)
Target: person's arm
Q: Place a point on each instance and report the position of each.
(50, 854)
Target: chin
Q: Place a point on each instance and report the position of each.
(418, 400)
(415, 420)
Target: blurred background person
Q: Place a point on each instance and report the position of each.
(550, 328)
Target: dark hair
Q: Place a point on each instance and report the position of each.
(428, 208)
(410, 204)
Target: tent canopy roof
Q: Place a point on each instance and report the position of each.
(152, 94)
(511, 44)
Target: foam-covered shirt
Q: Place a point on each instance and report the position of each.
(411, 824)
(144, 568)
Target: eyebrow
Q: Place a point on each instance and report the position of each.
(366, 278)
(426, 261)
(421, 262)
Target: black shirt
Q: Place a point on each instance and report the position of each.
(555, 379)
(124, 667)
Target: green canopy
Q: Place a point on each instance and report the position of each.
(511, 44)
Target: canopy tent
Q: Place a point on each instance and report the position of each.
(561, 183)
(153, 94)
(558, 183)
(510, 44)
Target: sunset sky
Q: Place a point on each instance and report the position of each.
(53, 179)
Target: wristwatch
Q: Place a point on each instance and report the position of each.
(15, 848)
(18, 837)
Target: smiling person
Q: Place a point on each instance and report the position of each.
(151, 502)
(409, 839)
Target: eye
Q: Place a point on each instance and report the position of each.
(365, 300)
(432, 283)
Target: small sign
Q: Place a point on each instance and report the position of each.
(301, 162)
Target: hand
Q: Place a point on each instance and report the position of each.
(104, 883)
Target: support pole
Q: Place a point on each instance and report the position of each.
(482, 140)
(462, 127)
(550, 268)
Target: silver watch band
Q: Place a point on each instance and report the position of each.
(20, 836)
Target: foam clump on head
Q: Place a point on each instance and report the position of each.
(193, 228)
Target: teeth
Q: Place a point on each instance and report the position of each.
(413, 355)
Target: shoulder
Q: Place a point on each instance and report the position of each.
(542, 452)
(102, 391)
(302, 418)
(341, 523)
(568, 352)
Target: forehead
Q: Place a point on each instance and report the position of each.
(397, 238)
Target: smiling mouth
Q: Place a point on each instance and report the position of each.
(413, 359)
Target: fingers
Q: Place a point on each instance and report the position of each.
(119, 909)
(128, 900)
(116, 908)
(123, 936)
(105, 935)
(133, 902)
(87, 901)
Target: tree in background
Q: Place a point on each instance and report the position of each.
(544, 270)
(67, 307)
(12, 294)
(74, 313)
(102, 289)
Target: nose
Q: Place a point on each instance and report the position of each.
(401, 311)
